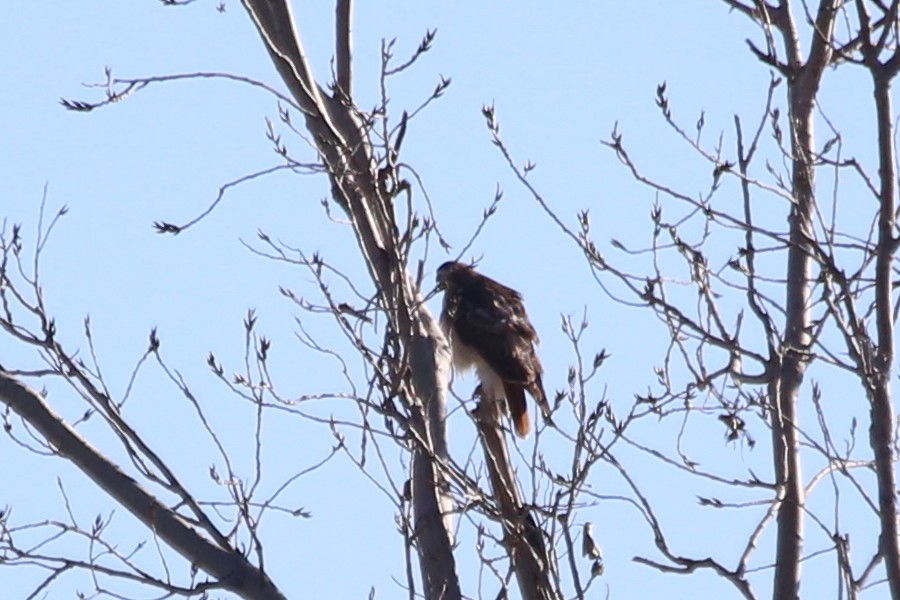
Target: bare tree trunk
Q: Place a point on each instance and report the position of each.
(805, 77)
(344, 147)
(432, 504)
(881, 428)
(524, 539)
(784, 392)
(227, 565)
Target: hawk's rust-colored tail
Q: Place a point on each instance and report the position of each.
(517, 406)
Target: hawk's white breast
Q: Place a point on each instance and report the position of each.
(466, 357)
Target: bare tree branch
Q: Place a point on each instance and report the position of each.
(229, 567)
(344, 41)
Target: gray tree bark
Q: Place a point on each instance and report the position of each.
(804, 77)
(523, 538)
(344, 147)
(881, 426)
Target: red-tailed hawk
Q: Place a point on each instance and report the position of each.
(490, 331)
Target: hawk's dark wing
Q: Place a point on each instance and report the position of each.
(492, 320)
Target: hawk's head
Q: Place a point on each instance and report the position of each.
(451, 274)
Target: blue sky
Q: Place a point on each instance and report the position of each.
(560, 77)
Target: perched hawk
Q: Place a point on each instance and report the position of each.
(490, 331)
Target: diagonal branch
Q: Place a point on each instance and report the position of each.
(228, 566)
(522, 535)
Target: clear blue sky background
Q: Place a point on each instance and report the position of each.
(560, 74)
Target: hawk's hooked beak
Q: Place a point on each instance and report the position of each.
(440, 282)
(438, 288)
(441, 279)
